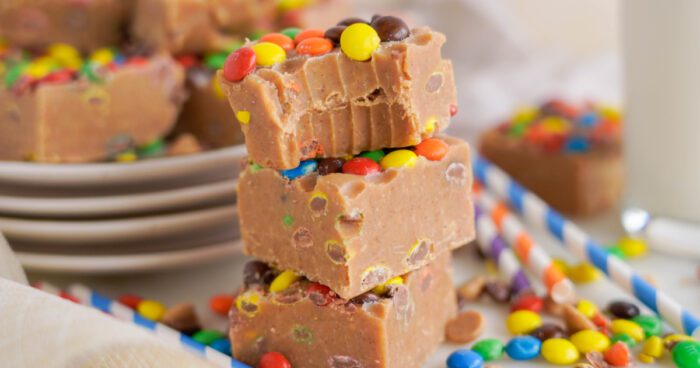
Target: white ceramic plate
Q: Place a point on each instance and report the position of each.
(116, 231)
(114, 264)
(120, 205)
(110, 174)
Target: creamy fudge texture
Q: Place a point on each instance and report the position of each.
(331, 106)
(87, 25)
(567, 154)
(198, 26)
(315, 329)
(352, 232)
(83, 120)
(206, 113)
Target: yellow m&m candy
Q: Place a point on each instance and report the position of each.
(399, 158)
(268, 53)
(359, 41)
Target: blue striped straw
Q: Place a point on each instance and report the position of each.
(496, 249)
(536, 211)
(167, 334)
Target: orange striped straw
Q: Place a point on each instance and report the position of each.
(530, 253)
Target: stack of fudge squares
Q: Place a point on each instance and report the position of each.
(86, 81)
(350, 199)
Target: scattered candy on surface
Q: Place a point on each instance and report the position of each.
(686, 354)
(268, 54)
(587, 341)
(653, 347)
(223, 345)
(559, 351)
(523, 322)
(632, 247)
(549, 331)
(587, 308)
(206, 337)
(239, 64)
(358, 41)
(151, 309)
(622, 309)
(464, 358)
(583, 273)
(489, 349)
(399, 158)
(629, 328)
(652, 325)
(274, 360)
(529, 301)
(182, 317)
(465, 327)
(623, 338)
(523, 348)
(221, 303)
(130, 300)
(618, 355)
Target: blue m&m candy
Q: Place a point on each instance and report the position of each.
(304, 168)
(523, 348)
(464, 358)
(577, 145)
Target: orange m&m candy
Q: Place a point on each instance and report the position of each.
(434, 149)
(280, 39)
(314, 46)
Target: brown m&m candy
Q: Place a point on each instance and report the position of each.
(390, 28)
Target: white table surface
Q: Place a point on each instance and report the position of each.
(674, 275)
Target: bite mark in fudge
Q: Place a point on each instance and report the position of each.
(352, 232)
(206, 113)
(87, 25)
(568, 155)
(58, 107)
(330, 105)
(311, 326)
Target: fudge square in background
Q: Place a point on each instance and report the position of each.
(396, 326)
(68, 113)
(330, 105)
(196, 26)
(87, 25)
(351, 232)
(569, 156)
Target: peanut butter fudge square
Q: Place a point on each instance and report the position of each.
(396, 325)
(87, 25)
(206, 113)
(353, 224)
(198, 26)
(568, 155)
(61, 107)
(349, 89)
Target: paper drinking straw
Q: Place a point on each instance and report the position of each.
(497, 250)
(530, 253)
(536, 211)
(167, 334)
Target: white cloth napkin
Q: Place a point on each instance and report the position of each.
(42, 330)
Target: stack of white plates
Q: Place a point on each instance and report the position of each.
(122, 217)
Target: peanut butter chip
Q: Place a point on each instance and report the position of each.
(465, 328)
(596, 360)
(374, 276)
(434, 83)
(472, 289)
(575, 320)
(350, 224)
(302, 238)
(318, 204)
(181, 317)
(456, 173)
(336, 252)
(302, 334)
(418, 253)
(343, 361)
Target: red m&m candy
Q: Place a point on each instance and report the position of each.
(274, 360)
(361, 166)
(130, 300)
(239, 64)
(221, 303)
